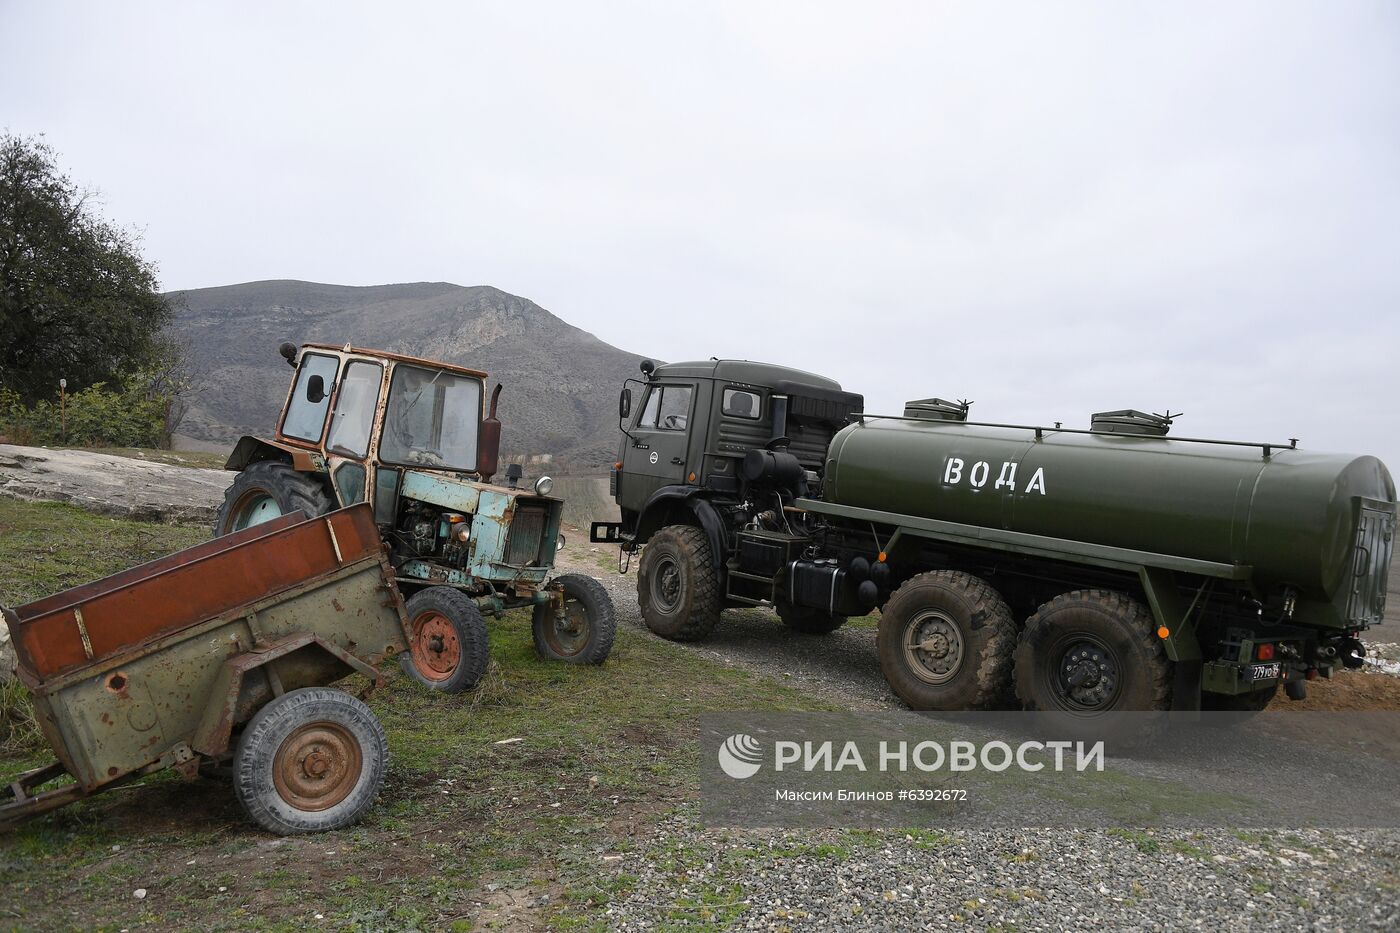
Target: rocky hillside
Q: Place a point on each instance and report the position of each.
(561, 383)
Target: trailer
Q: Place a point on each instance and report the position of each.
(221, 654)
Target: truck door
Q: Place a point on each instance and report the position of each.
(656, 451)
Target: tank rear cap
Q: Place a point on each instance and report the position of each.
(1131, 421)
(936, 409)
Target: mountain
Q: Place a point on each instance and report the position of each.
(561, 383)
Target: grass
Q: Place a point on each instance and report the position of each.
(465, 828)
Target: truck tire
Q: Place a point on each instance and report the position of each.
(1090, 652)
(585, 634)
(309, 761)
(945, 642)
(806, 620)
(449, 647)
(265, 490)
(676, 586)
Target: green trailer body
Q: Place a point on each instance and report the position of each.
(158, 666)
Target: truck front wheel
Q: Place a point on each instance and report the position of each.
(945, 642)
(1092, 651)
(676, 587)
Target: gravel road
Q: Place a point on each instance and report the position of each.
(1048, 879)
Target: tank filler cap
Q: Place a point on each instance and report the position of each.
(1131, 421)
(936, 409)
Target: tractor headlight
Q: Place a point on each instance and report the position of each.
(543, 485)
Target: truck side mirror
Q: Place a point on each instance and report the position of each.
(624, 403)
(315, 389)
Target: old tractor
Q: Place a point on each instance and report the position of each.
(407, 436)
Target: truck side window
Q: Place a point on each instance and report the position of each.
(739, 403)
(668, 408)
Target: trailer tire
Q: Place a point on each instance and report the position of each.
(1090, 652)
(965, 635)
(676, 587)
(266, 486)
(309, 761)
(804, 619)
(449, 647)
(592, 623)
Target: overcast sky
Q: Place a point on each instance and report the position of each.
(1050, 209)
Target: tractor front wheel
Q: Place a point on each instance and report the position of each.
(581, 632)
(450, 648)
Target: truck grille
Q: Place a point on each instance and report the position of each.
(526, 535)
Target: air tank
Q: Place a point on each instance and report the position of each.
(1294, 516)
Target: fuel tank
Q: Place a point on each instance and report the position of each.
(1321, 523)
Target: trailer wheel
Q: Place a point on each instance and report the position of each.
(945, 642)
(449, 648)
(265, 490)
(310, 760)
(806, 620)
(676, 586)
(1092, 651)
(583, 634)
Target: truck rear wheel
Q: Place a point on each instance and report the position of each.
(676, 586)
(583, 633)
(309, 761)
(449, 648)
(264, 491)
(945, 642)
(1092, 651)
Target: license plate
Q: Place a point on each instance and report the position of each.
(1264, 671)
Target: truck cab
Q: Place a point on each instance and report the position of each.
(688, 430)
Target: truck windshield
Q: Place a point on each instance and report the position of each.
(432, 419)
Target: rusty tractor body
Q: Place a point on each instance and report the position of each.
(220, 652)
(407, 436)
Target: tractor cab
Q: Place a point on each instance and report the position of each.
(407, 435)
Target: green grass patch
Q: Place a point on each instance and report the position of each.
(605, 753)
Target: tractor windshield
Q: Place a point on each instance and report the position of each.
(432, 419)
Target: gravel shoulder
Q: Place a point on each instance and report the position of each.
(687, 875)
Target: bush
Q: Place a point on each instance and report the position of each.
(96, 417)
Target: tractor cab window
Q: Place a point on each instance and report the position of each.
(306, 412)
(432, 419)
(354, 410)
(668, 408)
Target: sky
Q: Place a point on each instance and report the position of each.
(1050, 209)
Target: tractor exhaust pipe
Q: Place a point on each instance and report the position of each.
(488, 448)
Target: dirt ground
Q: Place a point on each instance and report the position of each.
(1347, 690)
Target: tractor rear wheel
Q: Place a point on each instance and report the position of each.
(264, 491)
(583, 632)
(450, 647)
(310, 760)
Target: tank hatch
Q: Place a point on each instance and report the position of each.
(936, 409)
(1130, 421)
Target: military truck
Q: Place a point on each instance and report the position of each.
(1077, 570)
(407, 435)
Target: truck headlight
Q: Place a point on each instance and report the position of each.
(543, 485)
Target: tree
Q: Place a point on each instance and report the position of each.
(77, 299)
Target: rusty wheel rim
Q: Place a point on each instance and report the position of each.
(568, 635)
(436, 650)
(317, 766)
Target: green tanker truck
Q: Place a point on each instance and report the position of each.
(1082, 570)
